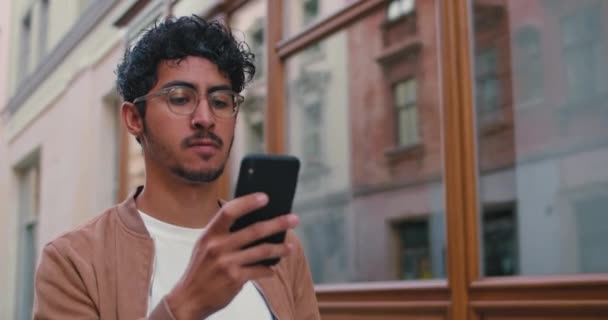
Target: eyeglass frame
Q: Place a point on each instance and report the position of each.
(165, 91)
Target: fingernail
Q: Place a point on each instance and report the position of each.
(293, 219)
(262, 198)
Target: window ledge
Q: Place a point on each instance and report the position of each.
(87, 22)
(410, 47)
(402, 152)
(488, 128)
(530, 103)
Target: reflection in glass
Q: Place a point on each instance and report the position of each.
(542, 125)
(399, 8)
(363, 114)
(249, 23)
(407, 114)
(300, 14)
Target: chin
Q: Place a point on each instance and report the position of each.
(198, 175)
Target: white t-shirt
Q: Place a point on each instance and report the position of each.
(173, 247)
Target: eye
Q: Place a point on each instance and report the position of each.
(221, 100)
(181, 97)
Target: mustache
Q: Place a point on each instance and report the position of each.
(189, 141)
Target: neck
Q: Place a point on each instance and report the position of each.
(172, 200)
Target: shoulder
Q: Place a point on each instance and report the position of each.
(83, 239)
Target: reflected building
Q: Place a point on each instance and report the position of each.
(397, 185)
(318, 133)
(540, 133)
(560, 127)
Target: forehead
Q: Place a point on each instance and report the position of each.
(199, 72)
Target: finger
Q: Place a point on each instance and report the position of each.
(235, 209)
(260, 230)
(260, 252)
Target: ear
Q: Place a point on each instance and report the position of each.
(132, 119)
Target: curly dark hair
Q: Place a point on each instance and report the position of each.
(176, 39)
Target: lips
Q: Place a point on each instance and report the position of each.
(204, 143)
(204, 147)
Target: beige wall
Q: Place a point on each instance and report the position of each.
(5, 301)
(69, 119)
(189, 7)
(75, 179)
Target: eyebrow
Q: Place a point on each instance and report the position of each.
(178, 83)
(218, 88)
(193, 86)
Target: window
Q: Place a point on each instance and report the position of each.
(529, 66)
(582, 54)
(44, 27)
(349, 196)
(256, 137)
(249, 24)
(592, 228)
(311, 100)
(152, 13)
(310, 10)
(257, 43)
(500, 242)
(311, 138)
(404, 95)
(487, 85)
(252, 115)
(111, 148)
(548, 164)
(400, 8)
(28, 206)
(414, 250)
(24, 52)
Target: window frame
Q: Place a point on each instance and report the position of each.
(465, 294)
(28, 175)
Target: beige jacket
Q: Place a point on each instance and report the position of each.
(102, 270)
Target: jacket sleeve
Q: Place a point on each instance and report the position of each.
(161, 312)
(305, 299)
(60, 292)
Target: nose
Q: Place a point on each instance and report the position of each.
(203, 117)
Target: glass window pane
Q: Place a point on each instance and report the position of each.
(370, 209)
(401, 94)
(249, 24)
(542, 154)
(407, 126)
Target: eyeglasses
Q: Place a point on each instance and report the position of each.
(183, 100)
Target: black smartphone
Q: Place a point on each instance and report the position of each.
(275, 175)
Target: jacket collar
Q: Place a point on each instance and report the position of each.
(127, 211)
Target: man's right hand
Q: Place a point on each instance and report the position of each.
(219, 265)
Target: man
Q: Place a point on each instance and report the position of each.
(166, 252)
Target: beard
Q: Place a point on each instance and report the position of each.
(163, 155)
(197, 176)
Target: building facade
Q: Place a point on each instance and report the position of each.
(453, 152)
